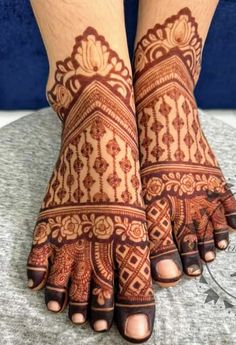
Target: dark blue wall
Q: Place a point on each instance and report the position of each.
(24, 65)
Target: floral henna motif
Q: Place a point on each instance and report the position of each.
(91, 227)
(186, 195)
(182, 184)
(91, 59)
(92, 220)
(180, 35)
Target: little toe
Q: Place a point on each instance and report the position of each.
(37, 267)
(135, 322)
(37, 277)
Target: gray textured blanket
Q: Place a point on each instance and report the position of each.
(197, 311)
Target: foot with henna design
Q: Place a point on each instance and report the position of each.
(91, 229)
(189, 207)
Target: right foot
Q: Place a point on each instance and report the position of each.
(92, 221)
(189, 207)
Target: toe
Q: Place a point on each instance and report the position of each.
(166, 264)
(221, 238)
(136, 326)
(203, 226)
(37, 277)
(100, 325)
(77, 318)
(135, 305)
(223, 244)
(54, 306)
(229, 204)
(80, 284)
(167, 268)
(55, 298)
(193, 270)
(191, 260)
(221, 228)
(56, 294)
(37, 267)
(102, 292)
(135, 321)
(209, 256)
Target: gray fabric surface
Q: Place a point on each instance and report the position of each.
(197, 311)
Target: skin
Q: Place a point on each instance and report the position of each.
(154, 12)
(107, 17)
(60, 22)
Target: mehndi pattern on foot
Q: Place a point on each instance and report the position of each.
(92, 221)
(189, 206)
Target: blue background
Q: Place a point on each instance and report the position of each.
(24, 64)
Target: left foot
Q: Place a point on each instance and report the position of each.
(189, 207)
(92, 221)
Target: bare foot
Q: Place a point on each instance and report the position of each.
(189, 207)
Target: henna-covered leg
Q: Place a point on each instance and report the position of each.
(189, 207)
(92, 221)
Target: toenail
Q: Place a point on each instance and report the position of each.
(137, 326)
(194, 270)
(100, 325)
(209, 256)
(222, 244)
(167, 269)
(30, 283)
(53, 306)
(78, 318)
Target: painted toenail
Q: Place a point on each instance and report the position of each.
(194, 270)
(78, 318)
(136, 326)
(53, 306)
(30, 283)
(167, 269)
(223, 244)
(100, 325)
(209, 256)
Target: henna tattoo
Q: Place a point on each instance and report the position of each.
(92, 218)
(183, 185)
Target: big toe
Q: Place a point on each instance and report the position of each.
(137, 326)
(135, 322)
(167, 269)
(168, 272)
